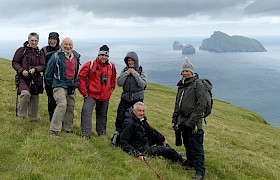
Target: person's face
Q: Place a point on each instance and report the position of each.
(140, 112)
(67, 45)
(33, 42)
(103, 58)
(130, 62)
(52, 42)
(186, 74)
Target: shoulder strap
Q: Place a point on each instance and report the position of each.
(45, 50)
(90, 67)
(140, 70)
(56, 58)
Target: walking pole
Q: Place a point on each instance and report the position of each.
(162, 178)
(17, 84)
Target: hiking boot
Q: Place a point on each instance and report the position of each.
(53, 134)
(86, 138)
(69, 132)
(198, 176)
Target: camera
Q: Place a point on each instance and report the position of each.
(104, 79)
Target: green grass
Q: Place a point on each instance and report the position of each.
(238, 144)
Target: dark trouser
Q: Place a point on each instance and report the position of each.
(193, 143)
(163, 151)
(123, 106)
(101, 108)
(51, 101)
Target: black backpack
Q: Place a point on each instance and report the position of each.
(208, 96)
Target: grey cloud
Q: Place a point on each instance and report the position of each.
(268, 7)
(121, 8)
(139, 8)
(156, 8)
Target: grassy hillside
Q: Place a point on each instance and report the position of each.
(238, 143)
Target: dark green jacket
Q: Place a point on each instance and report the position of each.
(190, 103)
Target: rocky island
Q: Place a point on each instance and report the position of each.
(221, 42)
(187, 49)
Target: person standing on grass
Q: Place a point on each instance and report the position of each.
(189, 108)
(48, 51)
(62, 76)
(29, 63)
(133, 79)
(97, 80)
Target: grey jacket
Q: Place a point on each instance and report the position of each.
(133, 84)
(190, 103)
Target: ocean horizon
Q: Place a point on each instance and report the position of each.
(246, 79)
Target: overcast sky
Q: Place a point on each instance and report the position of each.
(81, 19)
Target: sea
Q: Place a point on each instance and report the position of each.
(246, 79)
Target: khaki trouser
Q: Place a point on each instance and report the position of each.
(64, 111)
(28, 103)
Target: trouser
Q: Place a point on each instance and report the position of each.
(123, 106)
(101, 108)
(64, 111)
(51, 101)
(166, 152)
(28, 103)
(193, 143)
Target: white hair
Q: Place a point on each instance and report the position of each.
(137, 104)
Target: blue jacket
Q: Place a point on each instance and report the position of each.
(55, 75)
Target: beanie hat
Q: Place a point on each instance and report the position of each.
(104, 50)
(54, 35)
(187, 66)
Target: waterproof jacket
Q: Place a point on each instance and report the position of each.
(55, 74)
(133, 84)
(136, 134)
(90, 80)
(26, 58)
(190, 103)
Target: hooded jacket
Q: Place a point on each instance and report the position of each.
(49, 50)
(26, 58)
(136, 134)
(133, 84)
(190, 103)
(90, 80)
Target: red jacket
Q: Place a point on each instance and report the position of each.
(90, 80)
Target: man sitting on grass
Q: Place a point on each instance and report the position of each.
(139, 139)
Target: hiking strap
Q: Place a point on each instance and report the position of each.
(57, 66)
(195, 86)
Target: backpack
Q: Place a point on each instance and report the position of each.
(208, 96)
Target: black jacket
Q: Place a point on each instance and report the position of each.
(136, 134)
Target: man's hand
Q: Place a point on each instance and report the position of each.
(165, 142)
(142, 157)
